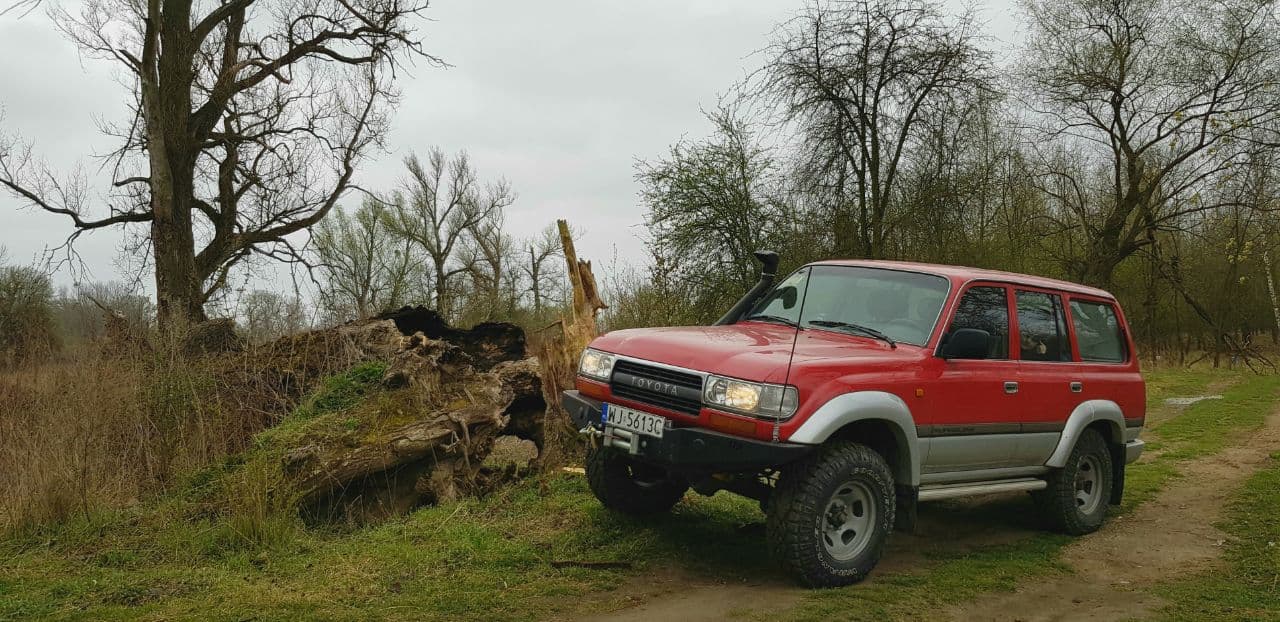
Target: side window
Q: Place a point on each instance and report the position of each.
(1042, 328)
(985, 308)
(1098, 332)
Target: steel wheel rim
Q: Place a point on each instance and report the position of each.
(846, 524)
(1088, 484)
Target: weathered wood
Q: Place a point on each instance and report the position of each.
(560, 345)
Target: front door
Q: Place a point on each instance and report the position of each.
(972, 421)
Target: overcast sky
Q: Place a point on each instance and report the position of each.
(560, 98)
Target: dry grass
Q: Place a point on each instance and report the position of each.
(89, 430)
(98, 427)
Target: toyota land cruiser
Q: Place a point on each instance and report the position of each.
(853, 390)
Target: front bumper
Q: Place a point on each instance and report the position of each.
(683, 449)
(1133, 450)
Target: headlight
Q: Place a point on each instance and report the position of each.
(596, 364)
(773, 401)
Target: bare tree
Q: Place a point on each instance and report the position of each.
(83, 312)
(541, 270)
(857, 78)
(248, 120)
(266, 315)
(1142, 104)
(490, 253)
(364, 268)
(441, 203)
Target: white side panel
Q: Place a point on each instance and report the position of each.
(861, 405)
(1085, 414)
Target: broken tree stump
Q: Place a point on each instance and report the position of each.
(560, 345)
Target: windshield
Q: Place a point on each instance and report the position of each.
(902, 305)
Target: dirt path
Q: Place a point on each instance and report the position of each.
(676, 595)
(1169, 536)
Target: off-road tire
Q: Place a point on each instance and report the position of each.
(631, 487)
(799, 512)
(1060, 503)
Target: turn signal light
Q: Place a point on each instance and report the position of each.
(732, 425)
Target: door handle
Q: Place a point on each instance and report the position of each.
(1077, 386)
(1010, 387)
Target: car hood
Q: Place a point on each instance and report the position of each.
(754, 351)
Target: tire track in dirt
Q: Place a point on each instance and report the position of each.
(1169, 536)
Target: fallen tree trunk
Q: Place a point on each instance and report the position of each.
(421, 432)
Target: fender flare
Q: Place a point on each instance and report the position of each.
(848, 408)
(1087, 413)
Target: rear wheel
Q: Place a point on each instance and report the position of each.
(831, 515)
(631, 487)
(1078, 494)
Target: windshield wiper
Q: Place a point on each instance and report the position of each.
(866, 330)
(764, 317)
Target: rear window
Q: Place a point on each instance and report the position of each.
(1098, 332)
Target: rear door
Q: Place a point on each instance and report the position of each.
(1050, 380)
(972, 418)
(1105, 351)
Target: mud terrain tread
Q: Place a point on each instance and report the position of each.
(802, 493)
(610, 482)
(1058, 502)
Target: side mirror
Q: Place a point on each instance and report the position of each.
(787, 295)
(967, 343)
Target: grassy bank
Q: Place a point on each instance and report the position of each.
(498, 558)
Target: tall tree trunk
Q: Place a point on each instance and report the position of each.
(178, 287)
(1271, 291)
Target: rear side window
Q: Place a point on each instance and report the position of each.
(986, 308)
(1042, 328)
(1098, 332)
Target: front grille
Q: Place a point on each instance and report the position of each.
(688, 387)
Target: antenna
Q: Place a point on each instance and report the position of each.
(795, 337)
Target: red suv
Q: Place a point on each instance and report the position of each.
(853, 390)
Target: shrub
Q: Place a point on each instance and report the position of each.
(26, 315)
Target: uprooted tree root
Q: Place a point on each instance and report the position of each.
(411, 422)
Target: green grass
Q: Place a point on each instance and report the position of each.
(1249, 588)
(1204, 428)
(485, 559)
(489, 558)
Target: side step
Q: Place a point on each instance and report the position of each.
(967, 489)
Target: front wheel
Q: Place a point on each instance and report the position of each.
(631, 487)
(831, 515)
(1076, 500)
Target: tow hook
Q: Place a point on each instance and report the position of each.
(594, 436)
(613, 437)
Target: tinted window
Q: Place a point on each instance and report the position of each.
(1042, 329)
(985, 308)
(1098, 332)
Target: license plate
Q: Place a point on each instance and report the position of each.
(634, 420)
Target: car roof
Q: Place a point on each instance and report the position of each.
(961, 274)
